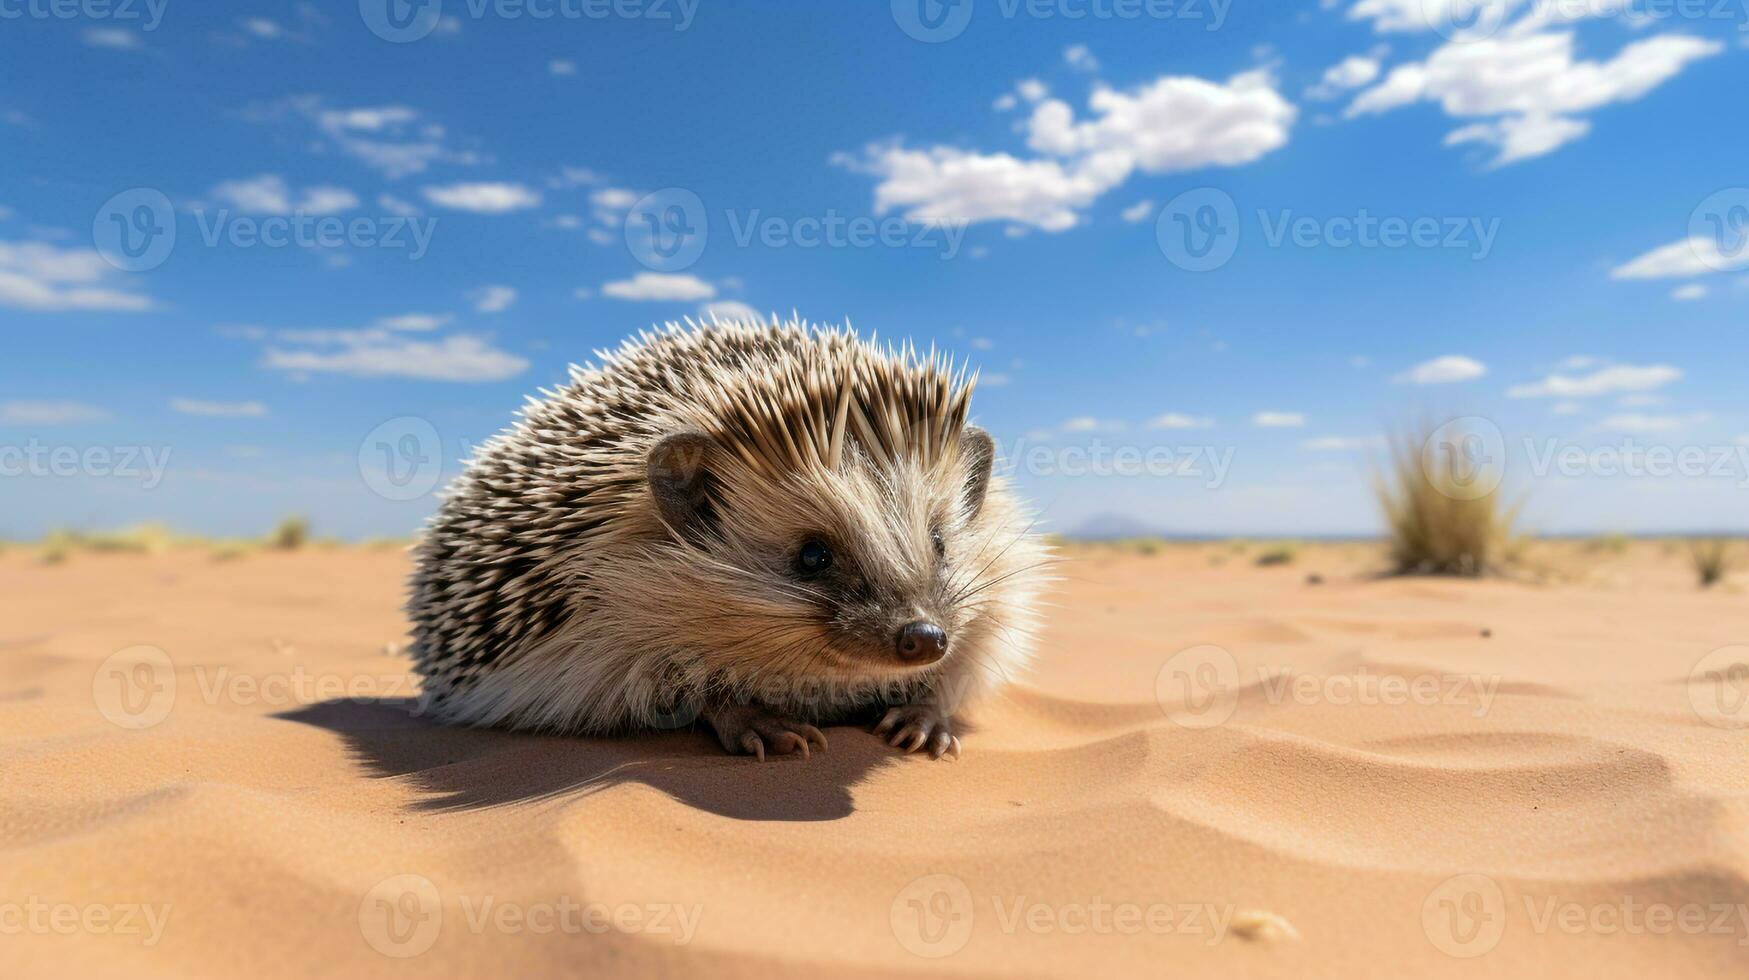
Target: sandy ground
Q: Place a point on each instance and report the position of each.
(1216, 770)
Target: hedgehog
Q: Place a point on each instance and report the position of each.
(767, 527)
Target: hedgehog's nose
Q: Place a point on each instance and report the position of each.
(922, 642)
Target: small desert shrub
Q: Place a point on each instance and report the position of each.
(232, 550)
(291, 534)
(1613, 544)
(1283, 554)
(1438, 523)
(1711, 558)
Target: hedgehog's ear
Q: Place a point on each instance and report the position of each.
(979, 451)
(680, 480)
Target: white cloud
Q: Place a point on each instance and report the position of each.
(1607, 381)
(1138, 212)
(47, 279)
(946, 186)
(1172, 124)
(1176, 420)
(1688, 293)
(394, 139)
(1031, 89)
(381, 353)
(492, 299)
(728, 310)
(1577, 362)
(1566, 408)
(269, 194)
(262, 27)
(235, 410)
(1350, 73)
(1637, 424)
(1444, 370)
(1531, 83)
(1278, 420)
(1080, 58)
(658, 286)
(1087, 423)
(112, 37)
(49, 413)
(559, 66)
(484, 197)
(1639, 401)
(416, 322)
(1333, 444)
(395, 205)
(1680, 260)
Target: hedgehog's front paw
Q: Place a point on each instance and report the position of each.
(917, 725)
(749, 731)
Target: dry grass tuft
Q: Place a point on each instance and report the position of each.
(1439, 522)
(291, 534)
(1711, 558)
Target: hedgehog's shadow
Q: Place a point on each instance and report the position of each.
(470, 768)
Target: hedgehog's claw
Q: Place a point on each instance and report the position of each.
(918, 726)
(750, 731)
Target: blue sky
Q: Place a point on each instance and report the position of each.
(1250, 237)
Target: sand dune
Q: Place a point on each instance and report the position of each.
(210, 769)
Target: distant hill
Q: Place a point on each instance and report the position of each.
(1104, 527)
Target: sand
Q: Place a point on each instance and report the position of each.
(1215, 770)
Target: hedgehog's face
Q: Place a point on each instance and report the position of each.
(860, 570)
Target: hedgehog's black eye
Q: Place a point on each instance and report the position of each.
(814, 557)
(940, 543)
